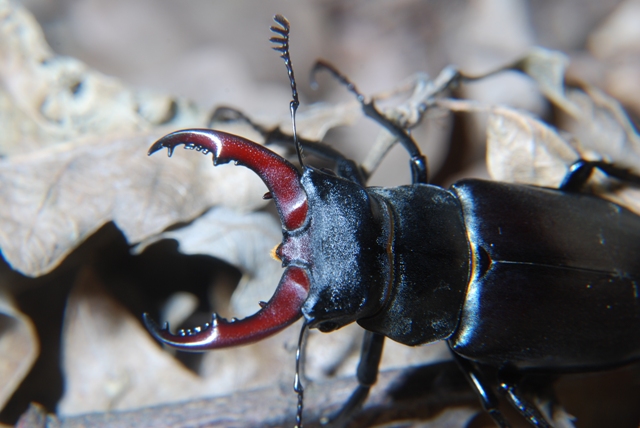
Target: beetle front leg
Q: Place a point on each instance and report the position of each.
(476, 379)
(367, 375)
(418, 162)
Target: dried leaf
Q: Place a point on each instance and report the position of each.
(49, 99)
(522, 149)
(619, 33)
(598, 122)
(317, 119)
(61, 182)
(603, 129)
(242, 240)
(19, 347)
(436, 394)
(547, 67)
(110, 362)
(51, 201)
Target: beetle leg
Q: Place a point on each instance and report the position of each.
(230, 114)
(367, 375)
(418, 160)
(526, 409)
(488, 399)
(580, 171)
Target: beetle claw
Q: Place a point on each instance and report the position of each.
(281, 178)
(283, 181)
(283, 309)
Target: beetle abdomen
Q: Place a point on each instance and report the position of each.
(556, 279)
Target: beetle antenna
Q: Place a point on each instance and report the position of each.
(281, 42)
(323, 65)
(297, 382)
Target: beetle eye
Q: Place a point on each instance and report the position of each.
(328, 326)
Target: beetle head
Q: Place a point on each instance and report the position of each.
(283, 182)
(347, 263)
(333, 247)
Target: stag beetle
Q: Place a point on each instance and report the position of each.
(516, 278)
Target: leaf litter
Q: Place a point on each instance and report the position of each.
(74, 159)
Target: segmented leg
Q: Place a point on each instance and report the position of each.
(418, 161)
(367, 375)
(508, 385)
(581, 170)
(477, 381)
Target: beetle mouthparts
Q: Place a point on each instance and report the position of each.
(283, 181)
(280, 176)
(283, 309)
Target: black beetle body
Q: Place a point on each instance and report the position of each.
(556, 279)
(516, 278)
(390, 248)
(539, 278)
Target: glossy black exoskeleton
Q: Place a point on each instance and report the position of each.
(516, 278)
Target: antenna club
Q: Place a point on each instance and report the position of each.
(281, 42)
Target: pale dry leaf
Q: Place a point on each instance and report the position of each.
(178, 307)
(52, 200)
(110, 362)
(598, 122)
(616, 45)
(619, 33)
(436, 394)
(50, 99)
(19, 347)
(603, 128)
(547, 67)
(244, 240)
(267, 363)
(604, 132)
(76, 141)
(316, 120)
(522, 149)
(526, 150)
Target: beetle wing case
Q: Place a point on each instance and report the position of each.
(556, 284)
